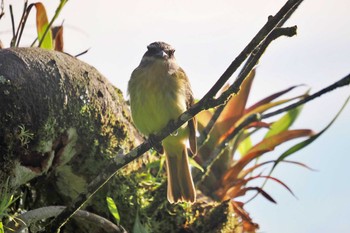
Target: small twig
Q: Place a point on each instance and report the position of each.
(249, 65)
(24, 21)
(257, 117)
(273, 22)
(13, 42)
(253, 60)
(2, 12)
(342, 82)
(289, 14)
(82, 53)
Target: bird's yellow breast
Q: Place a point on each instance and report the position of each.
(156, 97)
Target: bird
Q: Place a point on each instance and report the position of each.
(159, 92)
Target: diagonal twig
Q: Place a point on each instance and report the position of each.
(257, 117)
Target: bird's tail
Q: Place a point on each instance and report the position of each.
(180, 183)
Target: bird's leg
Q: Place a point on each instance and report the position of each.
(171, 124)
(155, 144)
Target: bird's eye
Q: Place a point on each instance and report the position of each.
(171, 52)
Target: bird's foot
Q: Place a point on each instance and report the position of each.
(155, 144)
(171, 124)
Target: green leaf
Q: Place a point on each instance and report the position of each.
(284, 122)
(113, 209)
(42, 24)
(245, 145)
(138, 227)
(195, 164)
(1, 228)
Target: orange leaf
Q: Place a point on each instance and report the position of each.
(236, 105)
(42, 24)
(270, 98)
(275, 140)
(57, 33)
(268, 144)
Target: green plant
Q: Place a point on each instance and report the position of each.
(46, 38)
(6, 200)
(231, 157)
(24, 135)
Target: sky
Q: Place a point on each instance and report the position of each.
(207, 36)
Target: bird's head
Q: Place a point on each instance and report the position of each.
(158, 51)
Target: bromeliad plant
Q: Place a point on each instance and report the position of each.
(228, 153)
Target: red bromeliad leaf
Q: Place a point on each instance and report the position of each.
(259, 109)
(271, 178)
(232, 111)
(264, 146)
(243, 191)
(42, 24)
(57, 33)
(275, 140)
(270, 98)
(234, 108)
(248, 224)
(259, 124)
(245, 172)
(232, 172)
(300, 164)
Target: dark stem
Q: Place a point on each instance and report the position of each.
(273, 22)
(257, 117)
(13, 40)
(342, 82)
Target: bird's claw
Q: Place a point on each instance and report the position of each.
(155, 144)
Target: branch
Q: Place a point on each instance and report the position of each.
(273, 22)
(204, 103)
(249, 65)
(342, 82)
(234, 88)
(257, 117)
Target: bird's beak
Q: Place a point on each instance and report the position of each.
(162, 54)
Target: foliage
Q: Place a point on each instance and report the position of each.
(6, 200)
(230, 170)
(49, 38)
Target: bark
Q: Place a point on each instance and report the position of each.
(61, 122)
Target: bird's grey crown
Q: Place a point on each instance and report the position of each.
(158, 49)
(159, 45)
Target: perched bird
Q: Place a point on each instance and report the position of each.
(160, 92)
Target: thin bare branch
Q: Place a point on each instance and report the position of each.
(273, 22)
(342, 82)
(257, 117)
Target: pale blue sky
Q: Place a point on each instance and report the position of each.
(207, 36)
